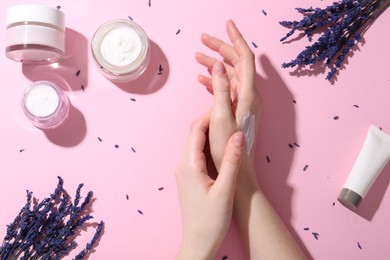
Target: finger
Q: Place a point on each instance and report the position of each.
(221, 90)
(209, 62)
(224, 49)
(247, 93)
(226, 180)
(205, 60)
(239, 44)
(197, 138)
(205, 81)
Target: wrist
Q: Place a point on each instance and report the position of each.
(193, 250)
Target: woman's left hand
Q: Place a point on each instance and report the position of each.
(206, 204)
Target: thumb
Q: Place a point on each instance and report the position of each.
(231, 162)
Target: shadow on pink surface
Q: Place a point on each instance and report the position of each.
(71, 132)
(154, 77)
(73, 69)
(372, 202)
(276, 142)
(274, 156)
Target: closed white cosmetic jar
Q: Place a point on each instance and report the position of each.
(45, 104)
(121, 50)
(35, 34)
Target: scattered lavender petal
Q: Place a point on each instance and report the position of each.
(294, 101)
(82, 88)
(334, 203)
(133, 150)
(161, 188)
(268, 159)
(359, 246)
(306, 228)
(356, 106)
(100, 139)
(58, 7)
(254, 44)
(336, 117)
(297, 145)
(78, 73)
(133, 99)
(316, 235)
(224, 257)
(21, 150)
(130, 17)
(127, 196)
(140, 212)
(150, 3)
(264, 12)
(291, 146)
(116, 146)
(306, 167)
(178, 31)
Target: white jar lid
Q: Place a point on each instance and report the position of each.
(36, 13)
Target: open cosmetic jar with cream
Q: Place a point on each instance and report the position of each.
(121, 50)
(35, 34)
(45, 104)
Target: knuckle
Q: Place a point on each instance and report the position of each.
(233, 158)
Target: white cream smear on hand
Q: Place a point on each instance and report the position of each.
(42, 100)
(121, 46)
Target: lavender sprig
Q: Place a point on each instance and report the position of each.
(46, 231)
(341, 24)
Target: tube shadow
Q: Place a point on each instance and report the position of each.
(154, 77)
(73, 68)
(371, 203)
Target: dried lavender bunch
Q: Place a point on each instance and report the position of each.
(341, 24)
(47, 230)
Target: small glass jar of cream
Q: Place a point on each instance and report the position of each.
(35, 34)
(45, 104)
(121, 50)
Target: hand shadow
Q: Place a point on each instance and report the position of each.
(154, 77)
(274, 155)
(276, 142)
(73, 68)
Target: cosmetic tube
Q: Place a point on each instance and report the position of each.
(35, 34)
(121, 50)
(45, 105)
(371, 160)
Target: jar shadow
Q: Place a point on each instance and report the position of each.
(154, 77)
(73, 68)
(71, 132)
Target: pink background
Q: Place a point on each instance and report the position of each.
(156, 124)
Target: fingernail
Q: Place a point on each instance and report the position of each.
(205, 35)
(232, 24)
(238, 139)
(218, 69)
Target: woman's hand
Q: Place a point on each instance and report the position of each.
(233, 85)
(206, 204)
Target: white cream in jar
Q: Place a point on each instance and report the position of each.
(121, 50)
(45, 104)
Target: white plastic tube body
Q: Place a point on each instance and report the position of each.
(371, 160)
